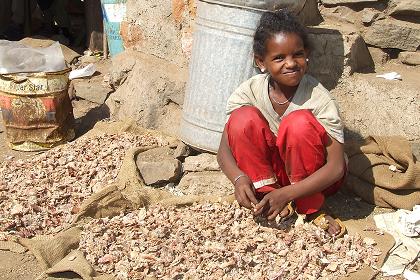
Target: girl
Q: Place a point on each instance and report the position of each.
(284, 137)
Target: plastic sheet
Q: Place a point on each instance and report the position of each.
(18, 58)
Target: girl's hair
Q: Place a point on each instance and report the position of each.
(271, 23)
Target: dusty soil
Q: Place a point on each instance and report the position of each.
(14, 266)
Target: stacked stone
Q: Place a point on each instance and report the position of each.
(391, 29)
(183, 171)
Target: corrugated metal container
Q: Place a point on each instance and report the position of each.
(294, 6)
(221, 60)
(36, 110)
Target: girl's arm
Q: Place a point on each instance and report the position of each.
(331, 172)
(244, 190)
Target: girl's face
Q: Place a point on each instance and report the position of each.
(285, 59)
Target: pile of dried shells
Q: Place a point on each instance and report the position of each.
(218, 241)
(38, 195)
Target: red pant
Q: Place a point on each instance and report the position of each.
(270, 162)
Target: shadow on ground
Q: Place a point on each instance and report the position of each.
(88, 121)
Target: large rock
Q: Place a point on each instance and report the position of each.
(336, 54)
(404, 7)
(375, 106)
(156, 27)
(201, 162)
(121, 67)
(208, 182)
(152, 93)
(182, 151)
(157, 166)
(369, 15)
(392, 33)
(411, 58)
(92, 89)
(156, 173)
(379, 56)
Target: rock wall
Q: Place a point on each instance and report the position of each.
(353, 36)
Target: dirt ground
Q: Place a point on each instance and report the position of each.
(14, 266)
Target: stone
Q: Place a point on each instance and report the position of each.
(121, 66)
(131, 34)
(404, 7)
(392, 33)
(157, 166)
(157, 154)
(178, 8)
(336, 54)
(182, 151)
(375, 106)
(369, 15)
(156, 173)
(340, 2)
(91, 89)
(379, 56)
(410, 58)
(205, 183)
(201, 162)
(151, 94)
(155, 27)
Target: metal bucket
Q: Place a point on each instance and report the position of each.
(36, 110)
(221, 60)
(295, 6)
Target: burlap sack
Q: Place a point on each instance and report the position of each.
(371, 176)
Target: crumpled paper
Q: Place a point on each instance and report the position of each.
(410, 222)
(87, 71)
(406, 249)
(390, 76)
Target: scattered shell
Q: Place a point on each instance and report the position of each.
(39, 195)
(217, 241)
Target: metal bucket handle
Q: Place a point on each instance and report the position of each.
(21, 79)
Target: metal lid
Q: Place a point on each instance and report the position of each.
(295, 6)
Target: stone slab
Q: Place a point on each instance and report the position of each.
(91, 90)
(336, 54)
(392, 33)
(410, 58)
(162, 172)
(208, 182)
(404, 7)
(202, 162)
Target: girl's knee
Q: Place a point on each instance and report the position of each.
(300, 123)
(244, 118)
(299, 120)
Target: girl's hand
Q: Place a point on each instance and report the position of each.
(274, 202)
(245, 192)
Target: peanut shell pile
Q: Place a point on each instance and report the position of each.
(218, 241)
(38, 195)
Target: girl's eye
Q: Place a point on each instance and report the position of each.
(279, 58)
(300, 54)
